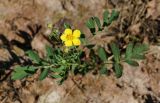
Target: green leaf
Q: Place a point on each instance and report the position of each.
(50, 52)
(56, 76)
(20, 68)
(105, 18)
(131, 62)
(18, 75)
(140, 48)
(116, 52)
(30, 69)
(129, 50)
(66, 25)
(91, 25)
(44, 74)
(114, 16)
(54, 35)
(33, 56)
(58, 70)
(27, 69)
(103, 70)
(118, 70)
(135, 51)
(138, 56)
(83, 41)
(98, 23)
(102, 54)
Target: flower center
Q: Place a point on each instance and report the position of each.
(69, 37)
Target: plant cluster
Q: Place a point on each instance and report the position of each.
(67, 57)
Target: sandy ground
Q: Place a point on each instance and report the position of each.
(137, 17)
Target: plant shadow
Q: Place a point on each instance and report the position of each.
(25, 46)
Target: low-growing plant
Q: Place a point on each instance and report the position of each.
(65, 56)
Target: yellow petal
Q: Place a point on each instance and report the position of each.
(76, 42)
(68, 31)
(63, 37)
(76, 33)
(68, 43)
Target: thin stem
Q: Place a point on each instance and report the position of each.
(46, 66)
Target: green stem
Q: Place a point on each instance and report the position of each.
(46, 66)
(109, 62)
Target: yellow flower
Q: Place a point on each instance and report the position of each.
(71, 38)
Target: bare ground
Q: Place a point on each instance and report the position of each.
(30, 17)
